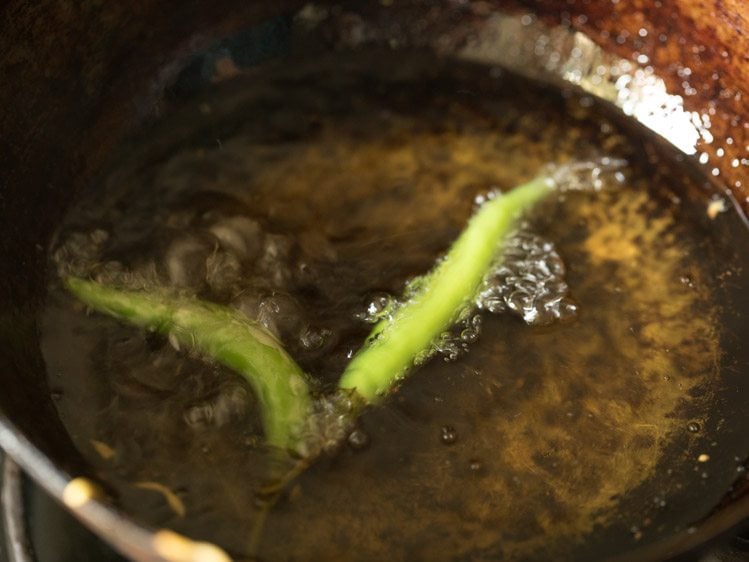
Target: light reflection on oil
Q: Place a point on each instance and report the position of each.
(527, 46)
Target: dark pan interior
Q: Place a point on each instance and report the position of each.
(75, 82)
(79, 80)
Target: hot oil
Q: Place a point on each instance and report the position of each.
(307, 193)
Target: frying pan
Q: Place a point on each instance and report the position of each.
(78, 79)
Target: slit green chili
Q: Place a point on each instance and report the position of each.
(228, 337)
(281, 387)
(393, 344)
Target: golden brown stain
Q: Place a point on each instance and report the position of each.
(585, 425)
(561, 423)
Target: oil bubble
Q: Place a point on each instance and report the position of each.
(358, 439)
(380, 306)
(448, 435)
(528, 281)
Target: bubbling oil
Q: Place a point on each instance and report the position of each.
(308, 197)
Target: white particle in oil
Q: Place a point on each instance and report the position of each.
(448, 435)
(715, 207)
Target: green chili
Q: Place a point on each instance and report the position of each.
(394, 343)
(226, 336)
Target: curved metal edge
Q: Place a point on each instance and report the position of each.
(130, 539)
(691, 540)
(14, 521)
(134, 541)
(30, 459)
